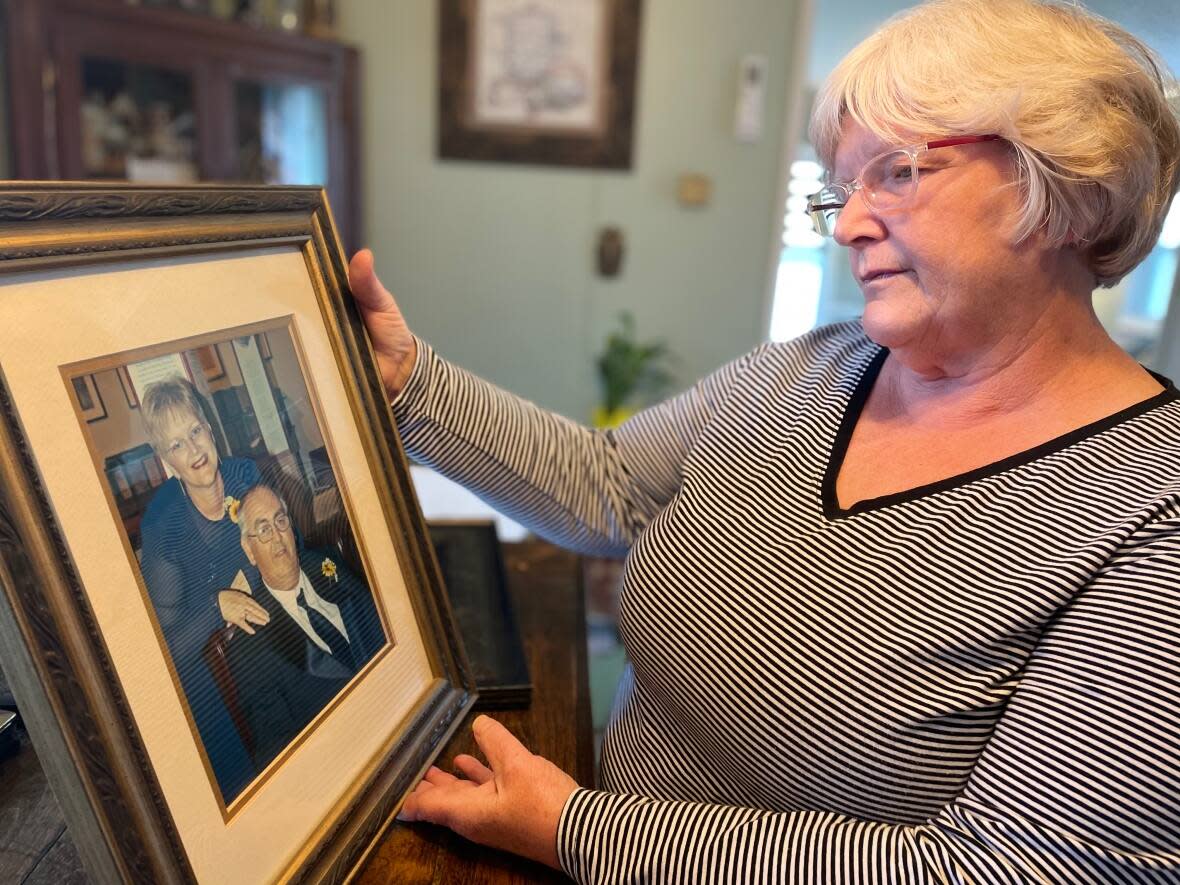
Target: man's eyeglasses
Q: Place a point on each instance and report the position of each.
(887, 181)
(266, 534)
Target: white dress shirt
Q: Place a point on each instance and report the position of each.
(289, 600)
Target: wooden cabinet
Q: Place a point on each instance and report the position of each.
(104, 89)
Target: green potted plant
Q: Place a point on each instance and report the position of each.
(627, 366)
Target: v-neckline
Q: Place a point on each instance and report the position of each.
(855, 407)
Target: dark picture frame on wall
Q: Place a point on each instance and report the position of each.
(182, 748)
(89, 398)
(544, 82)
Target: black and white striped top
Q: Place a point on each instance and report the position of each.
(973, 681)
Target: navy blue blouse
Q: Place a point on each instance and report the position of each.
(187, 559)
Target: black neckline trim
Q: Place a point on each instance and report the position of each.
(856, 403)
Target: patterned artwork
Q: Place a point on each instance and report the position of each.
(540, 64)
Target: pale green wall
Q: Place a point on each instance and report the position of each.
(493, 263)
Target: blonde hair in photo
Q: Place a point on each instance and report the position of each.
(1084, 104)
(161, 400)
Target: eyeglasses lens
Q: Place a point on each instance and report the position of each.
(886, 181)
(824, 208)
(889, 180)
(267, 532)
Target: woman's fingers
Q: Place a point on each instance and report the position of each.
(438, 777)
(513, 803)
(440, 798)
(256, 612)
(366, 287)
(395, 347)
(240, 610)
(498, 745)
(410, 807)
(472, 769)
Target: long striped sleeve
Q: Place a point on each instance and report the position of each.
(973, 681)
(590, 490)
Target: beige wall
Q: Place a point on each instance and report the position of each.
(493, 264)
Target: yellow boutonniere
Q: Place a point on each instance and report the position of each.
(231, 507)
(328, 568)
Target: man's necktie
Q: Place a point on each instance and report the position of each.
(326, 631)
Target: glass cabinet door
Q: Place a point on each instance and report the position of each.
(282, 133)
(137, 122)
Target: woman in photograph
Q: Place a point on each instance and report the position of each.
(193, 563)
(902, 596)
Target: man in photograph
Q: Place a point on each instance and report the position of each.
(323, 628)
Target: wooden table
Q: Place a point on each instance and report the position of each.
(546, 591)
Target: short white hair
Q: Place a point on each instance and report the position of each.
(1084, 104)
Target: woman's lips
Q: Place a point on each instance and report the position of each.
(880, 276)
(199, 463)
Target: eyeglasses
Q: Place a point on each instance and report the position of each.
(196, 437)
(266, 534)
(887, 181)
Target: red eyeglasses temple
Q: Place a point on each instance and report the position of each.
(962, 139)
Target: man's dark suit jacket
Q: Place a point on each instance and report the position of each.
(283, 678)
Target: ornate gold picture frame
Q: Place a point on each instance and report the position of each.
(117, 285)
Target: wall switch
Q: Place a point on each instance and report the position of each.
(751, 98)
(693, 189)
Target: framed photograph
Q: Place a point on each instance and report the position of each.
(209, 359)
(89, 400)
(548, 82)
(182, 748)
(468, 553)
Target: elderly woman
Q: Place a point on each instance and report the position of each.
(192, 561)
(902, 597)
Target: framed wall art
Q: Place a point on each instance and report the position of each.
(90, 404)
(548, 82)
(184, 748)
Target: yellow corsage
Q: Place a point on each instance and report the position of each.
(328, 569)
(232, 505)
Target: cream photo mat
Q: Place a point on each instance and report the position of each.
(98, 311)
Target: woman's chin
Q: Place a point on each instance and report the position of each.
(201, 479)
(886, 326)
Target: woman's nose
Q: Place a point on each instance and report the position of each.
(857, 221)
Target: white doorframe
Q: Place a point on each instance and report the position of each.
(794, 123)
(1167, 360)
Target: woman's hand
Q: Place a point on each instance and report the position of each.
(240, 609)
(514, 805)
(392, 342)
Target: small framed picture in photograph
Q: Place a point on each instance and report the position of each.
(90, 405)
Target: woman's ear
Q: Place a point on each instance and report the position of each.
(1074, 240)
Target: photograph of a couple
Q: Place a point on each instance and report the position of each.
(219, 472)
